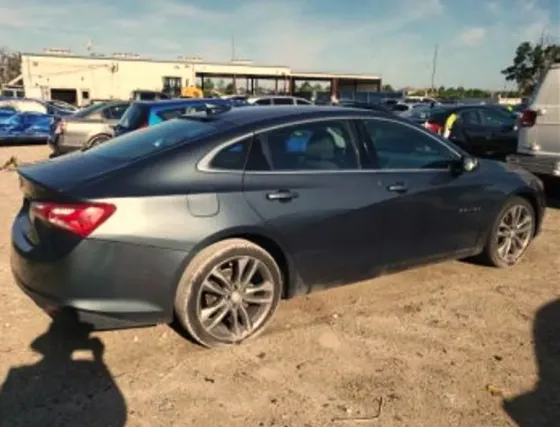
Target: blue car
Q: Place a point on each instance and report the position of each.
(25, 127)
(142, 114)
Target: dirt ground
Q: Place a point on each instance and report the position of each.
(453, 344)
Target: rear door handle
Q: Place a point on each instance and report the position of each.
(397, 188)
(282, 195)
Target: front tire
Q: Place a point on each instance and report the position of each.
(228, 293)
(511, 234)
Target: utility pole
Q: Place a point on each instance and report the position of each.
(434, 66)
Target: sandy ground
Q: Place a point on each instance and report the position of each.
(443, 345)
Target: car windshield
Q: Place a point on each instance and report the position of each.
(144, 142)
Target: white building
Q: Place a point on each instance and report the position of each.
(76, 79)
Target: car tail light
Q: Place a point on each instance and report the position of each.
(433, 127)
(528, 118)
(78, 218)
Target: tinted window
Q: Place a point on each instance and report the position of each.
(311, 146)
(469, 117)
(146, 141)
(302, 102)
(134, 116)
(283, 101)
(232, 157)
(495, 117)
(400, 107)
(398, 146)
(264, 101)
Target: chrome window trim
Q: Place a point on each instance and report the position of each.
(203, 164)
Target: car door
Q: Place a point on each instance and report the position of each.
(306, 183)
(429, 212)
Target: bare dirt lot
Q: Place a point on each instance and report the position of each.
(453, 344)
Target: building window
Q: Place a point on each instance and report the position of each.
(172, 86)
(85, 95)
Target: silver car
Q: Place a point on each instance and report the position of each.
(87, 127)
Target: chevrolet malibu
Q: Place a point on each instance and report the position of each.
(212, 218)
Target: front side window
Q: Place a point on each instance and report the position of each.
(399, 146)
(232, 157)
(316, 146)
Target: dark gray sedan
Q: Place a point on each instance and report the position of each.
(213, 217)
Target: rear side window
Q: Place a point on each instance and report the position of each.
(134, 116)
(302, 102)
(232, 157)
(264, 101)
(144, 142)
(320, 146)
(84, 112)
(470, 117)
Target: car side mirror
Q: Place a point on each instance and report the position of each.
(468, 163)
(465, 164)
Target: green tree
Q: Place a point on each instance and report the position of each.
(530, 63)
(387, 88)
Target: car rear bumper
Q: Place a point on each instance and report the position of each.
(110, 285)
(540, 165)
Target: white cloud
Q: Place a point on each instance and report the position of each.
(472, 36)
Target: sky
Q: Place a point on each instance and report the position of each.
(395, 39)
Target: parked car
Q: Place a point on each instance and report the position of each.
(400, 108)
(278, 100)
(33, 106)
(25, 127)
(142, 114)
(481, 130)
(213, 218)
(87, 127)
(538, 146)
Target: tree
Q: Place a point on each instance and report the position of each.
(387, 88)
(530, 63)
(10, 65)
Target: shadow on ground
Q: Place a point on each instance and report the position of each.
(541, 406)
(59, 390)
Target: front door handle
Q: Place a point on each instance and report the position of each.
(399, 187)
(282, 195)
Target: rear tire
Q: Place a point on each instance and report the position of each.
(511, 234)
(228, 293)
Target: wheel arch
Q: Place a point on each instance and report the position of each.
(533, 200)
(292, 284)
(97, 135)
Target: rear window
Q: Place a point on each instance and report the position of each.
(147, 141)
(174, 112)
(134, 116)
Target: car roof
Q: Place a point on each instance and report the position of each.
(249, 115)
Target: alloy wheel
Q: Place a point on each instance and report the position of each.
(514, 233)
(235, 298)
